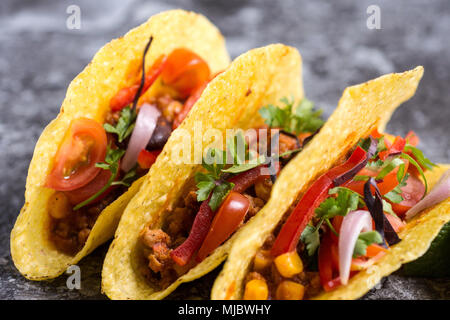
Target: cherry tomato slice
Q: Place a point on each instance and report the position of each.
(83, 146)
(79, 195)
(228, 218)
(184, 70)
(411, 193)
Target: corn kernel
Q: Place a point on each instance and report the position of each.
(262, 260)
(256, 289)
(289, 264)
(290, 290)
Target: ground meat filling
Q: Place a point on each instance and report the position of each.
(157, 243)
(70, 229)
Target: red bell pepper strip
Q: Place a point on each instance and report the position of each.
(248, 178)
(397, 147)
(289, 235)
(200, 228)
(126, 95)
(147, 158)
(326, 262)
(188, 104)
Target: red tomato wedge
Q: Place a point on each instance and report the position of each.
(79, 195)
(389, 182)
(83, 146)
(185, 71)
(412, 139)
(228, 218)
(411, 193)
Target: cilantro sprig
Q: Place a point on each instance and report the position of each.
(125, 125)
(212, 183)
(364, 240)
(299, 119)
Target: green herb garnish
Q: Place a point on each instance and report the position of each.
(364, 240)
(212, 183)
(125, 124)
(302, 118)
(310, 237)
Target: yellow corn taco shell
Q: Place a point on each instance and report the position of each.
(231, 100)
(88, 96)
(361, 108)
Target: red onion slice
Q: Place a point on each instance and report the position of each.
(353, 224)
(440, 192)
(142, 132)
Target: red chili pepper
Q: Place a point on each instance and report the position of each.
(396, 147)
(126, 95)
(200, 228)
(147, 158)
(289, 235)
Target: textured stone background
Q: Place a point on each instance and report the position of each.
(39, 56)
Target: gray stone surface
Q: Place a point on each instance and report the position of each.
(39, 56)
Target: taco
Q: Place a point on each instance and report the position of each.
(114, 122)
(182, 222)
(344, 214)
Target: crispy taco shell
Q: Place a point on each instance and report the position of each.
(361, 108)
(88, 96)
(231, 100)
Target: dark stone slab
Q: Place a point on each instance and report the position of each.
(39, 57)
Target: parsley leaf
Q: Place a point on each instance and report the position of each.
(346, 201)
(366, 239)
(302, 118)
(219, 194)
(389, 166)
(310, 237)
(125, 124)
(212, 184)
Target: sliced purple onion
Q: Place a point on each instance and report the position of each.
(353, 224)
(142, 132)
(439, 193)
